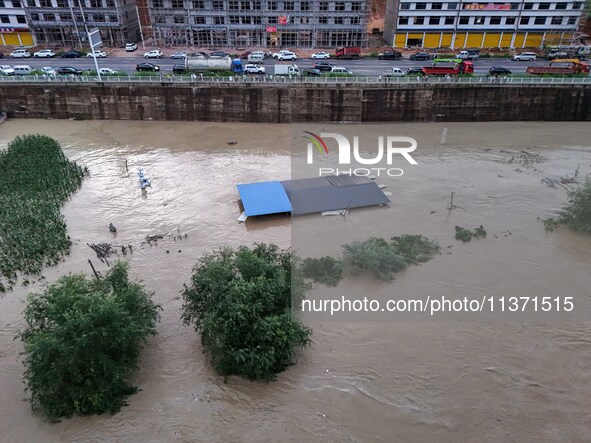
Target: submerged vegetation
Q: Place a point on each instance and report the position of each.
(82, 342)
(239, 300)
(37, 179)
(466, 235)
(577, 212)
(376, 256)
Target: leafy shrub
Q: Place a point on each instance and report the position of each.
(374, 255)
(327, 270)
(415, 248)
(82, 342)
(239, 301)
(466, 235)
(577, 213)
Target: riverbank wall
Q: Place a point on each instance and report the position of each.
(287, 103)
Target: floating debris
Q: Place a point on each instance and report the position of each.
(112, 227)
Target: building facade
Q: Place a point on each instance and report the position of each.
(260, 23)
(469, 24)
(14, 29)
(61, 22)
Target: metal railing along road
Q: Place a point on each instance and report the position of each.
(320, 80)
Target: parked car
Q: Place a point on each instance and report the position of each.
(48, 71)
(6, 70)
(179, 55)
(420, 56)
(395, 72)
(320, 55)
(68, 70)
(44, 53)
(287, 55)
(390, 55)
(20, 53)
(179, 69)
(276, 54)
(108, 71)
(130, 47)
(22, 70)
(254, 69)
(417, 70)
(1, 55)
(97, 54)
(154, 53)
(499, 70)
(341, 70)
(147, 67)
(324, 66)
(72, 53)
(525, 57)
(256, 57)
(469, 54)
(219, 54)
(311, 72)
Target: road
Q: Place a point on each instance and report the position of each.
(366, 66)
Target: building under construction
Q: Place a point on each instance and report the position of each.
(259, 23)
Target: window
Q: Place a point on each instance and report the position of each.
(419, 20)
(556, 21)
(544, 6)
(245, 6)
(354, 20)
(464, 20)
(540, 21)
(45, 3)
(479, 20)
(528, 6)
(113, 19)
(304, 6)
(62, 3)
(560, 5)
(98, 18)
(65, 16)
(96, 3)
(219, 20)
(21, 19)
(158, 3)
(233, 6)
(16, 4)
(273, 20)
(200, 20)
(355, 6)
(495, 20)
(524, 21)
(4, 19)
(48, 17)
(510, 21)
(434, 20)
(234, 19)
(217, 5)
(35, 16)
(111, 4)
(323, 6)
(403, 20)
(421, 6)
(339, 6)
(323, 20)
(257, 20)
(452, 6)
(160, 19)
(256, 6)
(178, 4)
(449, 20)
(179, 19)
(572, 20)
(338, 20)
(515, 5)
(404, 5)
(436, 5)
(289, 6)
(577, 5)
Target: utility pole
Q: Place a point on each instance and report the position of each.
(139, 22)
(76, 26)
(98, 72)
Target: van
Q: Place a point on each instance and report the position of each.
(20, 53)
(340, 70)
(22, 70)
(256, 57)
(469, 54)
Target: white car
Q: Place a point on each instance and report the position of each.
(341, 70)
(320, 56)
(395, 72)
(108, 71)
(6, 70)
(525, 57)
(154, 53)
(45, 53)
(20, 53)
(287, 55)
(276, 54)
(98, 54)
(254, 69)
(48, 71)
(130, 47)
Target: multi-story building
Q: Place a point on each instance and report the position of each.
(471, 24)
(13, 24)
(260, 23)
(61, 22)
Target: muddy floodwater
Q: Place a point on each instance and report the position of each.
(497, 378)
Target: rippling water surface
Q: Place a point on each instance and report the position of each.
(359, 381)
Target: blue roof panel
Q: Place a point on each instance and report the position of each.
(264, 198)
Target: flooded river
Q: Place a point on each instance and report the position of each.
(496, 378)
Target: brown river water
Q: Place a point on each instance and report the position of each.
(490, 378)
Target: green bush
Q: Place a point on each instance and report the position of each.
(415, 249)
(577, 213)
(327, 270)
(239, 300)
(466, 235)
(374, 255)
(82, 342)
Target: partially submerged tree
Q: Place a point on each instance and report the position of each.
(82, 342)
(577, 213)
(239, 300)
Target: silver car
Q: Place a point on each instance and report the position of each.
(525, 57)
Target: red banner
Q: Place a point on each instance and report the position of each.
(271, 29)
(489, 7)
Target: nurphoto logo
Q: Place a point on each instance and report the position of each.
(387, 146)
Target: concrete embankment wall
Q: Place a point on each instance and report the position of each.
(284, 103)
